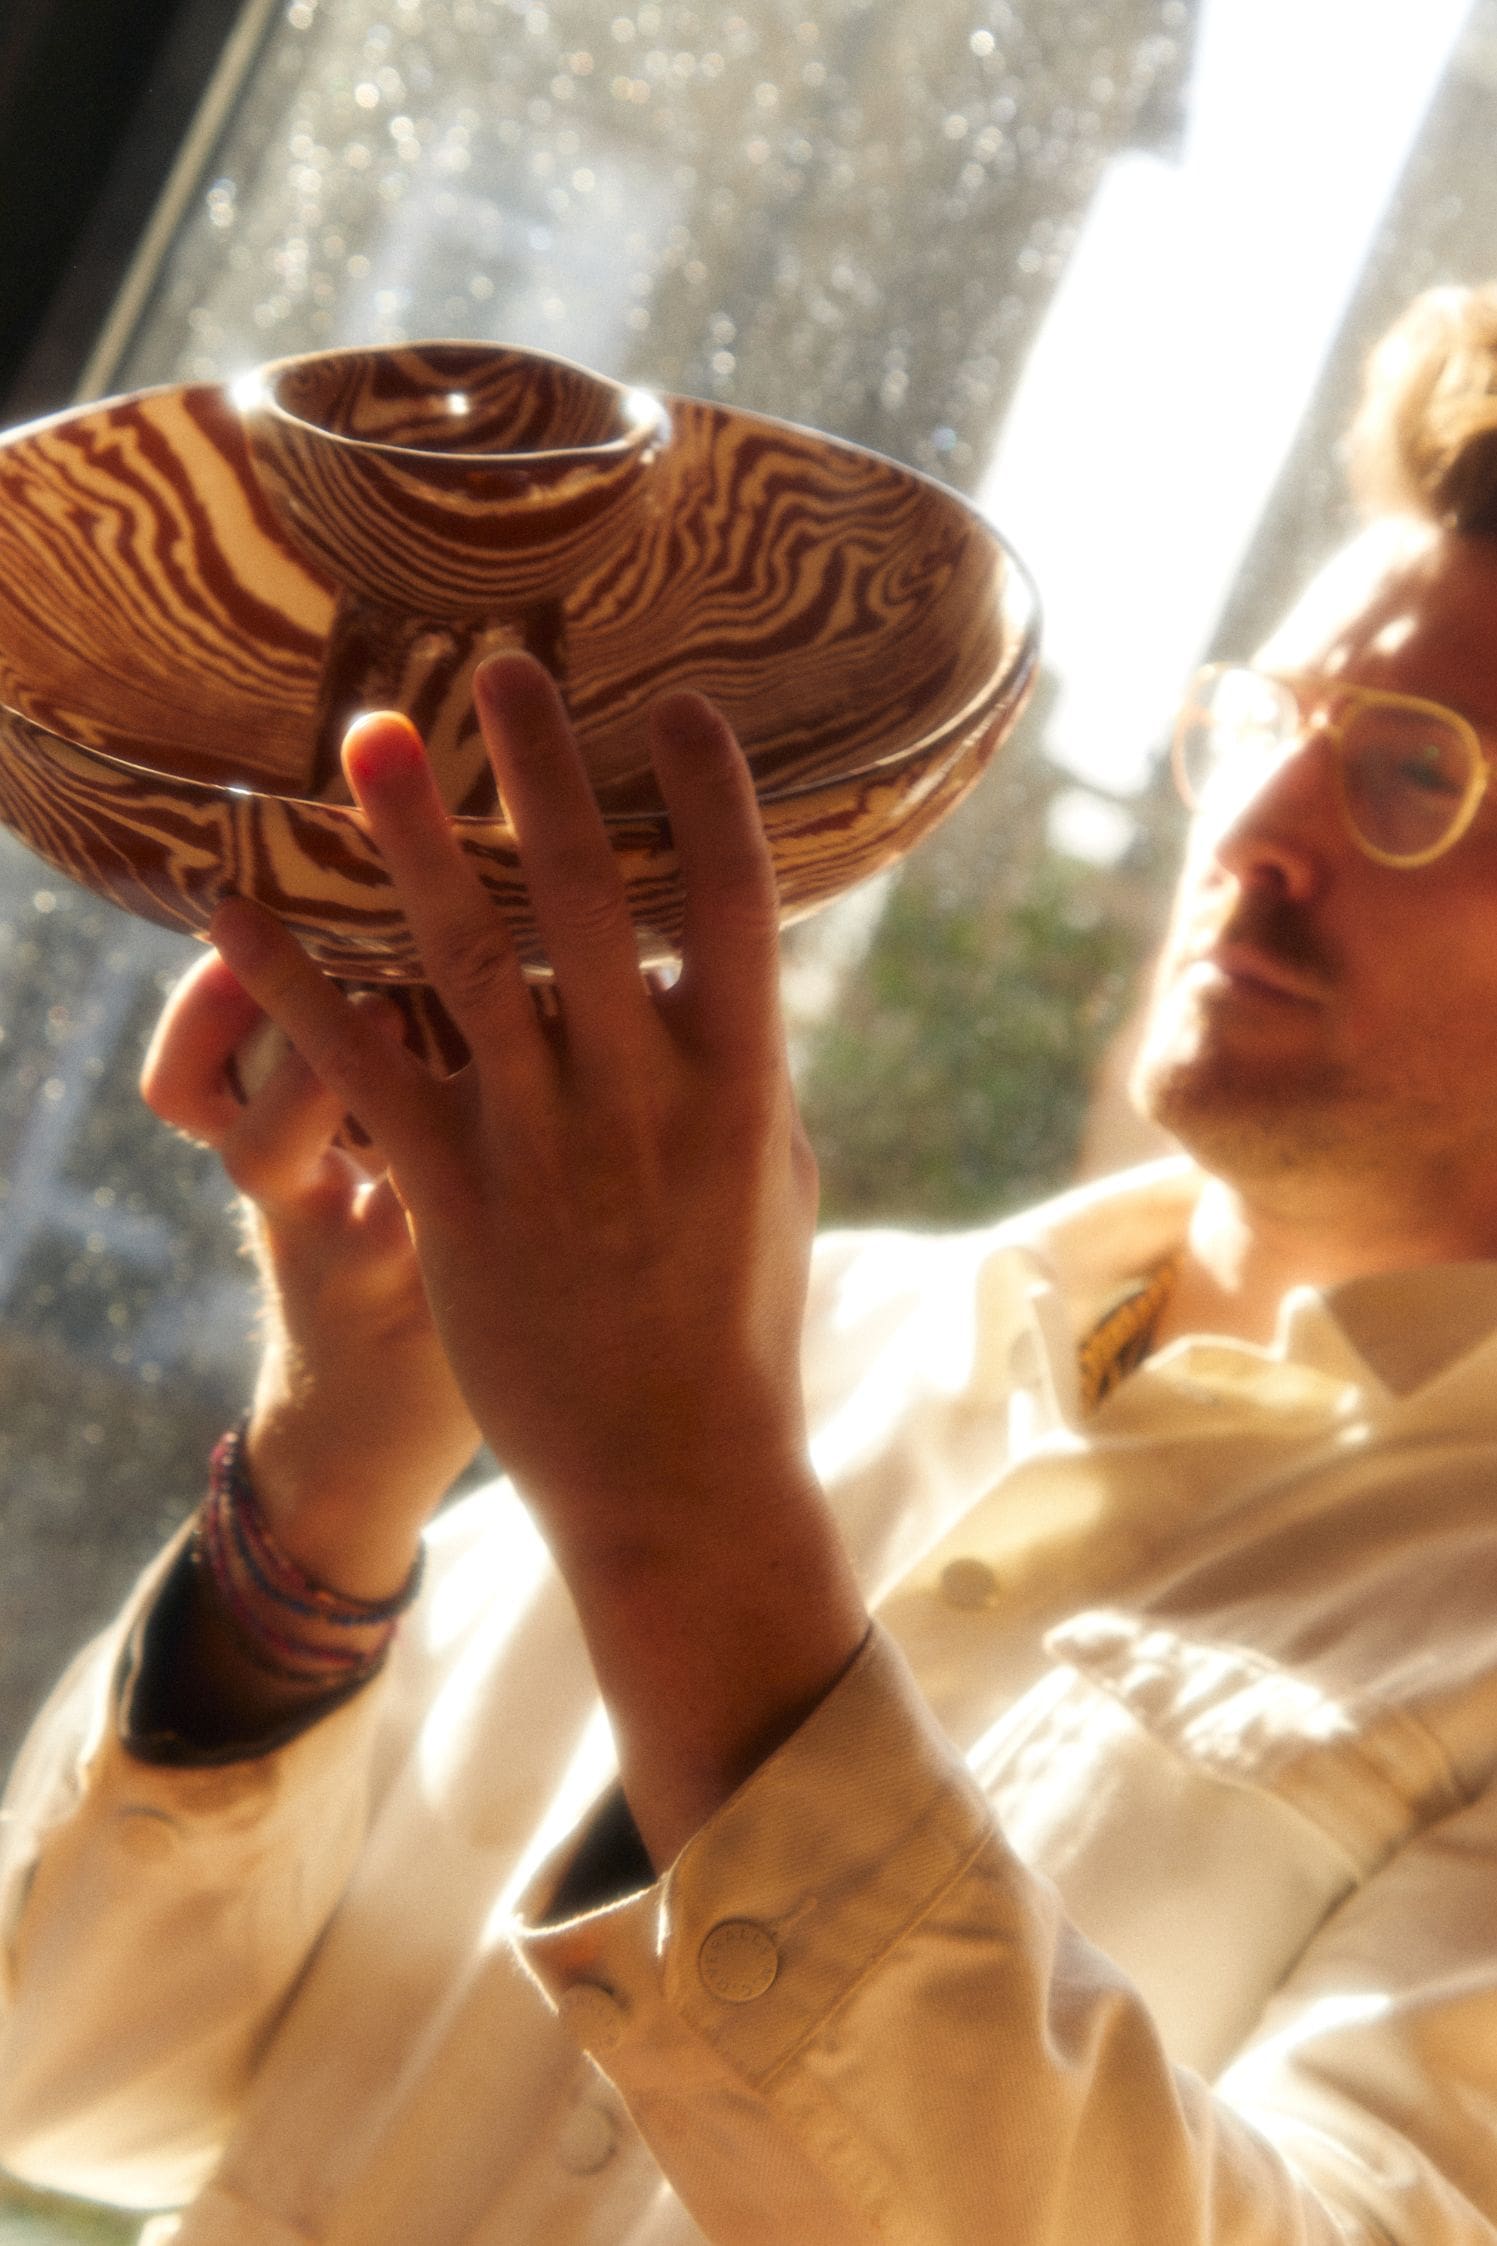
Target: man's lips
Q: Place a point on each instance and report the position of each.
(1246, 967)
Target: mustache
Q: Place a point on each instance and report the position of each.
(1282, 931)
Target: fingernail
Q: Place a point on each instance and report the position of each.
(243, 932)
(685, 719)
(505, 663)
(383, 745)
(515, 686)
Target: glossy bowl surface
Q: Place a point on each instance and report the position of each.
(163, 640)
(451, 479)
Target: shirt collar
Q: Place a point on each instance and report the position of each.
(1397, 1330)
(1408, 1327)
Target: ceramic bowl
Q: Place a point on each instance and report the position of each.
(165, 640)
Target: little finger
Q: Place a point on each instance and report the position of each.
(281, 1149)
(729, 984)
(185, 1077)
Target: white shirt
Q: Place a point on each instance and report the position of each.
(1137, 1884)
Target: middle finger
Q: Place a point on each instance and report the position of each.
(576, 890)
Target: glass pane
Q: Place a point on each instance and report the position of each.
(1031, 247)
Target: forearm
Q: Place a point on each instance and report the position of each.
(712, 1642)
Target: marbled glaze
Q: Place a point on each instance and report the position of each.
(452, 479)
(163, 644)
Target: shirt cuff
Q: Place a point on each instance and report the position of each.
(779, 1906)
(76, 1769)
(147, 1651)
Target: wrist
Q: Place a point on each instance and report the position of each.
(713, 1647)
(291, 1624)
(669, 1476)
(347, 1509)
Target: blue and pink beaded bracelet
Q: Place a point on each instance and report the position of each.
(253, 1574)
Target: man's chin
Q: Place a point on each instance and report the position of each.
(1238, 1126)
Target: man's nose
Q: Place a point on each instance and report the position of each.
(1285, 825)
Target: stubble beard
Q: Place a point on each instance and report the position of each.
(1247, 1103)
(1252, 1116)
(1243, 1118)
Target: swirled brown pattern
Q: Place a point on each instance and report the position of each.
(451, 397)
(162, 648)
(444, 480)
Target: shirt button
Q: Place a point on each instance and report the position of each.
(738, 1961)
(593, 2014)
(586, 2140)
(969, 1583)
(147, 1834)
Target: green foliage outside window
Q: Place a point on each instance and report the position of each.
(36, 2219)
(955, 1073)
(954, 1085)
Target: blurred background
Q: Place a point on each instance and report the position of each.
(1108, 269)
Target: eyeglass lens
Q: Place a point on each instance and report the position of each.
(1406, 772)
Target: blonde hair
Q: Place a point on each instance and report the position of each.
(1424, 440)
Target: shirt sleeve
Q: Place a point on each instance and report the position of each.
(153, 1917)
(848, 2012)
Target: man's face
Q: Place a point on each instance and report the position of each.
(1314, 1010)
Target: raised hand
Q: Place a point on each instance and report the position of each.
(612, 1207)
(358, 1426)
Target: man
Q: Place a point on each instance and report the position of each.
(1130, 1876)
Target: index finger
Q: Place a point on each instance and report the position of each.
(185, 1076)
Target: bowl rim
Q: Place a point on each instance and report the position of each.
(253, 392)
(971, 713)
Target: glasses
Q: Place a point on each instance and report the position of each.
(1411, 773)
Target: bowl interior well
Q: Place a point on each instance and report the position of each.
(449, 398)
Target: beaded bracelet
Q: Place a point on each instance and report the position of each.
(250, 1570)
